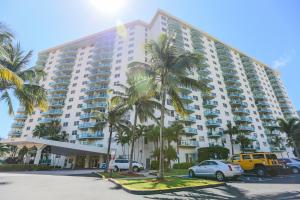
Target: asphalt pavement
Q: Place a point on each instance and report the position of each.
(80, 186)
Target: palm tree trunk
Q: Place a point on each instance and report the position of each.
(231, 142)
(161, 141)
(108, 148)
(132, 140)
(296, 149)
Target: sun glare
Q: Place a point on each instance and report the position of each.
(108, 7)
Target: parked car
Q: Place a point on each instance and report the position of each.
(102, 165)
(262, 163)
(292, 163)
(123, 164)
(216, 169)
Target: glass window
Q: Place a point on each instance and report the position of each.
(258, 156)
(246, 157)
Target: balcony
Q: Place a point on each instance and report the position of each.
(99, 88)
(277, 149)
(262, 104)
(186, 98)
(208, 95)
(230, 74)
(60, 82)
(241, 111)
(188, 143)
(15, 133)
(238, 103)
(260, 97)
(18, 125)
(53, 112)
(242, 119)
(94, 97)
(99, 80)
(246, 128)
(49, 120)
(210, 104)
(57, 96)
(267, 117)
(212, 123)
(211, 113)
(190, 131)
(265, 111)
(100, 73)
(206, 79)
(86, 125)
(59, 89)
(95, 105)
(269, 125)
(187, 119)
(233, 88)
(88, 115)
(248, 148)
(232, 81)
(91, 144)
(56, 104)
(236, 96)
(21, 117)
(214, 134)
(86, 135)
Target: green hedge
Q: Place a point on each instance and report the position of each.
(154, 165)
(25, 167)
(183, 165)
(207, 153)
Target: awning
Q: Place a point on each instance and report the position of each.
(60, 148)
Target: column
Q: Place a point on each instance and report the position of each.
(38, 154)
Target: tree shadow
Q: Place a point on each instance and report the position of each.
(222, 193)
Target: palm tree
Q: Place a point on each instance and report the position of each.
(137, 96)
(112, 117)
(169, 70)
(3, 150)
(174, 132)
(292, 129)
(15, 76)
(123, 137)
(231, 131)
(243, 141)
(152, 135)
(40, 131)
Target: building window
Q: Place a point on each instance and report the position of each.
(74, 132)
(200, 127)
(198, 117)
(31, 120)
(79, 105)
(65, 124)
(67, 116)
(28, 128)
(76, 123)
(78, 114)
(71, 99)
(69, 107)
(117, 75)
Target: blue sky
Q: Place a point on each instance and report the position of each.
(268, 30)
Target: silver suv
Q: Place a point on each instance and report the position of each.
(292, 163)
(123, 164)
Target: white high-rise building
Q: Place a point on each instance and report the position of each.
(245, 92)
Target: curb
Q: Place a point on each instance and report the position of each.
(146, 192)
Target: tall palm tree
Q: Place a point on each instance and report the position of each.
(169, 70)
(292, 129)
(16, 78)
(112, 118)
(138, 97)
(231, 131)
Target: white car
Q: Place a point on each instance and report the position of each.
(292, 163)
(123, 164)
(216, 169)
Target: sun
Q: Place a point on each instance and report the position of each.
(108, 7)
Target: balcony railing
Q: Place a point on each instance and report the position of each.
(86, 135)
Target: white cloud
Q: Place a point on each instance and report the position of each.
(284, 60)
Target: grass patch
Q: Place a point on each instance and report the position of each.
(120, 175)
(174, 172)
(169, 183)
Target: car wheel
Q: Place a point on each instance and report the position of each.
(135, 169)
(260, 171)
(220, 176)
(116, 169)
(295, 170)
(191, 174)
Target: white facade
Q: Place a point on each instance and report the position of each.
(80, 73)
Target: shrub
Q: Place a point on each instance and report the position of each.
(183, 165)
(25, 167)
(207, 153)
(155, 164)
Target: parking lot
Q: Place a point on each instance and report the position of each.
(59, 186)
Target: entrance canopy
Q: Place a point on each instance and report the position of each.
(59, 148)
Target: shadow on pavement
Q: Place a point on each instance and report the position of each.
(223, 193)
